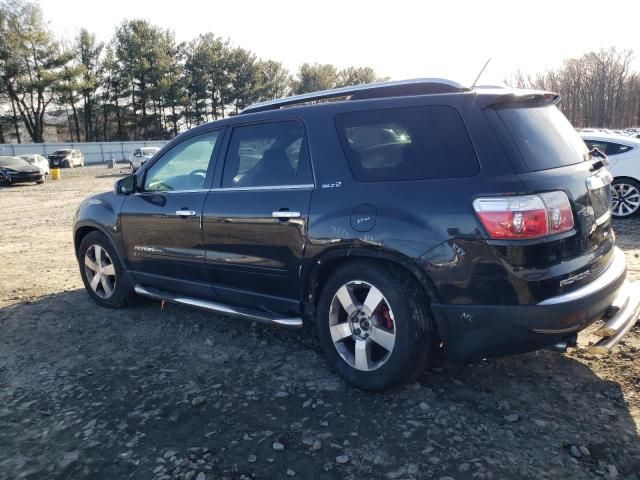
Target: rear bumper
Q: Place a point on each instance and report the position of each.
(470, 332)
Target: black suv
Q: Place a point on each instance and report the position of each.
(398, 218)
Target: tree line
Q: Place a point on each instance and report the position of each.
(598, 89)
(143, 84)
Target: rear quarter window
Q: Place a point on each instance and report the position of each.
(411, 143)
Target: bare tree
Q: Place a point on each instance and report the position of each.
(597, 90)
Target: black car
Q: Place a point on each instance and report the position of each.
(397, 218)
(16, 170)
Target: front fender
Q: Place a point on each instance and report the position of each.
(102, 213)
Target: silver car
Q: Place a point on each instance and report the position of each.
(140, 155)
(67, 158)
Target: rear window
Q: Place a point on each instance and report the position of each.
(544, 137)
(412, 143)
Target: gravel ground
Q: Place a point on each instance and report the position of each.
(174, 393)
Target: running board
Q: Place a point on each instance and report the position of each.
(240, 312)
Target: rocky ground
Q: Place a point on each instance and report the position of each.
(174, 393)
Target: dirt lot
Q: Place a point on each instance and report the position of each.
(176, 393)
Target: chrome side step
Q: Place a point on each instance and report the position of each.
(240, 312)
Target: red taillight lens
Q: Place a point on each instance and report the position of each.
(526, 216)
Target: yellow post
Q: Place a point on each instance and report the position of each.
(55, 174)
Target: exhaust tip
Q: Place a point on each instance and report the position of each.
(561, 346)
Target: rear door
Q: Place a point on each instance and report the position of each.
(255, 221)
(162, 223)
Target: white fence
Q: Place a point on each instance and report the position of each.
(94, 152)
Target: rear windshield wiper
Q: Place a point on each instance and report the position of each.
(603, 160)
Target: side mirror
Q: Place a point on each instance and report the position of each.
(126, 185)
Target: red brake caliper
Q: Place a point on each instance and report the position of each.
(385, 316)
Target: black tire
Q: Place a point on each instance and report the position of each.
(121, 291)
(413, 325)
(68, 164)
(630, 206)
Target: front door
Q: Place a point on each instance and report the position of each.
(162, 223)
(255, 222)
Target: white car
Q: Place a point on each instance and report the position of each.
(624, 157)
(38, 161)
(140, 155)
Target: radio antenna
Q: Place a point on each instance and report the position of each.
(481, 72)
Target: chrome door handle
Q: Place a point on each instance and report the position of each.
(185, 213)
(285, 214)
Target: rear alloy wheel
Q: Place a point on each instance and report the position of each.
(373, 325)
(625, 201)
(102, 272)
(362, 326)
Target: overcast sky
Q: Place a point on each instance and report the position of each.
(399, 39)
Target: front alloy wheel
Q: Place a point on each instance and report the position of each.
(100, 271)
(362, 326)
(625, 200)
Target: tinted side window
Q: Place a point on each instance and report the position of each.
(413, 143)
(616, 148)
(184, 167)
(267, 154)
(602, 146)
(608, 148)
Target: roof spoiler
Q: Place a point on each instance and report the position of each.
(514, 98)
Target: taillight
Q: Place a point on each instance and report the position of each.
(525, 216)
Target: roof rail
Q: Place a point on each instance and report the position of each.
(399, 88)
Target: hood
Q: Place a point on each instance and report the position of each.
(21, 168)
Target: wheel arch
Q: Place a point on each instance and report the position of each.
(625, 177)
(85, 228)
(325, 264)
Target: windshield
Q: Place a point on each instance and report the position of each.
(62, 152)
(544, 136)
(8, 161)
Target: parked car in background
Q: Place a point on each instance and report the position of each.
(66, 159)
(39, 161)
(141, 155)
(16, 170)
(412, 216)
(623, 152)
